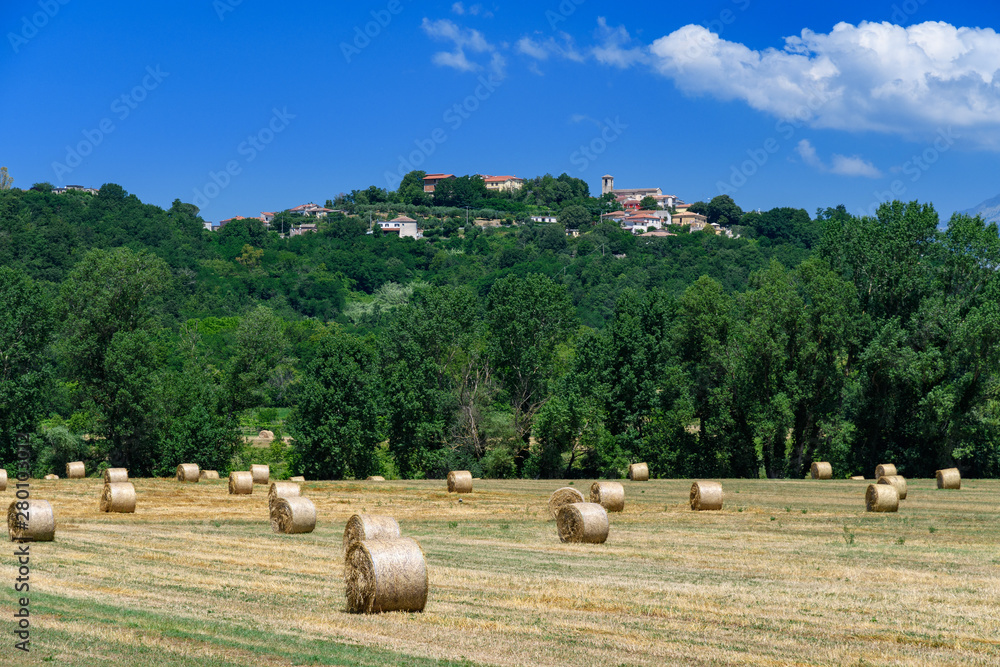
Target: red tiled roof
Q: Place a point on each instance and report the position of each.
(437, 177)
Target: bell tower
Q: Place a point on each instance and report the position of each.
(607, 184)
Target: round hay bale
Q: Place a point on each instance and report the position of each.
(564, 496)
(884, 470)
(460, 481)
(582, 522)
(209, 474)
(376, 478)
(76, 470)
(297, 478)
(118, 497)
(881, 498)
(112, 475)
(860, 478)
(609, 495)
(266, 435)
(638, 472)
(293, 515)
(897, 481)
(706, 496)
(821, 470)
(261, 473)
(51, 476)
(3, 479)
(385, 575)
(240, 483)
(34, 523)
(949, 478)
(367, 527)
(283, 490)
(188, 472)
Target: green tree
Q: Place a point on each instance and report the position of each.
(336, 424)
(25, 366)
(649, 203)
(528, 320)
(5, 179)
(574, 217)
(108, 306)
(260, 349)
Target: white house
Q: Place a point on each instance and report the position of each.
(403, 226)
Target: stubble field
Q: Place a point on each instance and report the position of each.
(788, 573)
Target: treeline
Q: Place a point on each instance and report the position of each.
(131, 336)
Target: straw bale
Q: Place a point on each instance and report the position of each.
(460, 481)
(112, 475)
(949, 478)
(261, 473)
(882, 498)
(76, 470)
(266, 435)
(564, 496)
(296, 514)
(3, 479)
(36, 523)
(859, 478)
(376, 478)
(609, 495)
(51, 476)
(706, 496)
(385, 575)
(582, 522)
(367, 527)
(297, 478)
(821, 470)
(283, 490)
(897, 481)
(884, 470)
(240, 483)
(209, 474)
(188, 472)
(118, 497)
(638, 472)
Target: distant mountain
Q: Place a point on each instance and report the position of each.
(989, 210)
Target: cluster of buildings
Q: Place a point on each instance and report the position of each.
(495, 183)
(633, 217)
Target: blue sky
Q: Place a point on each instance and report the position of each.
(241, 106)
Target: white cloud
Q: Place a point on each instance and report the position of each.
(873, 76)
(616, 46)
(475, 10)
(808, 154)
(458, 8)
(564, 47)
(854, 166)
(463, 40)
(841, 164)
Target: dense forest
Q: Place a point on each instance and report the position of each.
(132, 336)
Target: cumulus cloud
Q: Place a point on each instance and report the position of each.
(873, 76)
(475, 10)
(841, 165)
(616, 47)
(463, 40)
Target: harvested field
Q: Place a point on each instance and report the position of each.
(788, 573)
